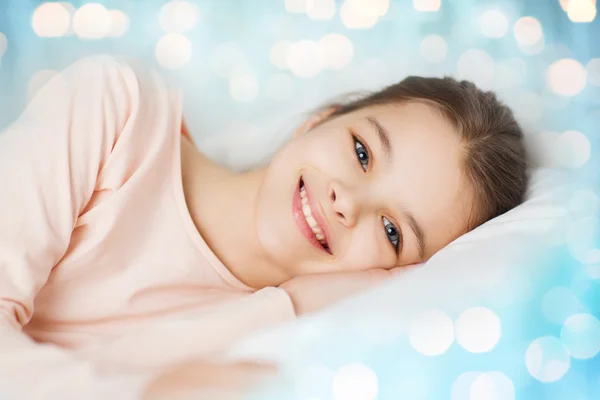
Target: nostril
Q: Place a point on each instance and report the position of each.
(332, 195)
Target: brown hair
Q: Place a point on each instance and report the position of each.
(495, 160)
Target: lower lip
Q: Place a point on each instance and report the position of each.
(301, 220)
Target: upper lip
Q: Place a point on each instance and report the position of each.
(317, 213)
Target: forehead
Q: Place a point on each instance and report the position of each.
(426, 173)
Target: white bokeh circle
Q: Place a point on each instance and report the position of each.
(593, 71)
(297, 6)
(566, 77)
(559, 303)
(581, 335)
(492, 385)
(581, 10)
(119, 23)
(3, 44)
(582, 238)
(359, 14)
(431, 332)
(178, 16)
(427, 5)
(434, 48)
(584, 203)
(337, 51)
(478, 66)
(355, 382)
(305, 59)
(173, 51)
(547, 359)
(493, 24)
(478, 329)
(314, 381)
(51, 20)
(571, 149)
(321, 9)
(92, 21)
(279, 54)
(528, 31)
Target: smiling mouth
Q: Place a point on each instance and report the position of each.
(310, 219)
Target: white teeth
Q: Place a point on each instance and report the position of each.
(310, 220)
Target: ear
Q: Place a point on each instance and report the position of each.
(314, 121)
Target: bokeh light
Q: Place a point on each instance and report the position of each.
(528, 31)
(478, 66)
(337, 51)
(359, 14)
(297, 6)
(355, 382)
(314, 382)
(3, 44)
(434, 48)
(478, 330)
(321, 10)
(571, 149)
(582, 237)
(492, 385)
(584, 203)
(581, 336)
(119, 23)
(559, 303)
(431, 332)
(581, 10)
(566, 77)
(547, 359)
(264, 62)
(305, 59)
(92, 21)
(427, 5)
(493, 24)
(178, 16)
(173, 51)
(593, 71)
(51, 20)
(279, 54)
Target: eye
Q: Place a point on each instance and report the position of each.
(361, 153)
(393, 234)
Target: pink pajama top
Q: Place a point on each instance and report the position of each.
(100, 262)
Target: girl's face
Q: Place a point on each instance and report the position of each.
(384, 186)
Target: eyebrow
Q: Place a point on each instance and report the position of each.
(384, 140)
(384, 137)
(416, 228)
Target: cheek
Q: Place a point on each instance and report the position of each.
(366, 251)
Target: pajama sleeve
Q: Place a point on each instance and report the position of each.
(50, 158)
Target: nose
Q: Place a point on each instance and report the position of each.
(344, 203)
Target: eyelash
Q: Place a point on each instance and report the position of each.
(364, 163)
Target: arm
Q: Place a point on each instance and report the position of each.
(49, 161)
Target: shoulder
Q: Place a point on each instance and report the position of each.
(117, 74)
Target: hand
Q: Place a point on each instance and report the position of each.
(310, 293)
(196, 380)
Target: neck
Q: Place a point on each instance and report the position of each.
(222, 205)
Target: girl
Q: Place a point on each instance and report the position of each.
(112, 220)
